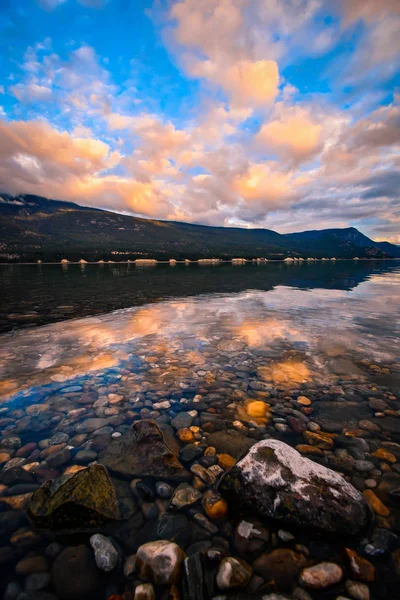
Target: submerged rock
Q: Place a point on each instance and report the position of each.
(74, 574)
(105, 553)
(159, 562)
(275, 481)
(145, 454)
(83, 502)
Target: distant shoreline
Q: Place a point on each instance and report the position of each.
(207, 262)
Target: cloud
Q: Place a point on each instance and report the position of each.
(292, 135)
(37, 158)
(367, 10)
(247, 83)
(217, 48)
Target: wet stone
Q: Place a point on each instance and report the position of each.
(321, 576)
(105, 553)
(159, 562)
(282, 566)
(185, 495)
(233, 573)
(74, 574)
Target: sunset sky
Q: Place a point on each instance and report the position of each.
(282, 114)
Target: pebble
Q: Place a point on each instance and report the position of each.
(321, 575)
(159, 562)
(185, 495)
(233, 573)
(145, 591)
(105, 553)
(377, 506)
(214, 506)
(357, 590)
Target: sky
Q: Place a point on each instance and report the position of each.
(282, 114)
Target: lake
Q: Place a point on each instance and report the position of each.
(219, 357)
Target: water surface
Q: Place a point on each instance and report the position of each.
(236, 358)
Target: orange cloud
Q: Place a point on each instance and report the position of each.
(246, 82)
(292, 135)
(39, 159)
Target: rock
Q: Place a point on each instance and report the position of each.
(159, 562)
(145, 454)
(74, 574)
(304, 401)
(144, 591)
(357, 590)
(226, 461)
(11, 442)
(83, 502)
(363, 466)
(174, 527)
(319, 440)
(190, 452)
(56, 459)
(105, 553)
(214, 506)
(182, 421)
(85, 456)
(383, 454)
(250, 537)
(275, 481)
(185, 435)
(90, 425)
(24, 538)
(381, 542)
(203, 474)
(194, 579)
(58, 438)
(282, 566)
(377, 506)
(360, 567)
(31, 564)
(163, 490)
(185, 495)
(233, 573)
(37, 581)
(230, 442)
(321, 576)
(130, 565)
(12, 591)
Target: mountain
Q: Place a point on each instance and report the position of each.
(34, 228)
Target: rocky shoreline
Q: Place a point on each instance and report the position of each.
(234, 485)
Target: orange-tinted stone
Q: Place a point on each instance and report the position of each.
(226, 461)
(320, 440)
(384, 455)
(185, 435)
(377, 506)
(306, 449)
(215, 506)
(360, 567)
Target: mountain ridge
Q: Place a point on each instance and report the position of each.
(35, 228)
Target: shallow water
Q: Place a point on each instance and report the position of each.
(272, 334)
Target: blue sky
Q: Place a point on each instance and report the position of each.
(270, 113)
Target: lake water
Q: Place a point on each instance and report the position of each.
(234, 348)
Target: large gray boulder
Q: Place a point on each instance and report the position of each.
(273, 480)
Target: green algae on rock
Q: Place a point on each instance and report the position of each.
(84, 502)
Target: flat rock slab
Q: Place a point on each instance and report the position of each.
(273, 480)
(144, 453)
